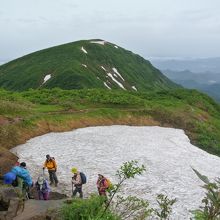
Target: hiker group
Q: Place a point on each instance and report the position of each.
(20, 177)
(79, 178)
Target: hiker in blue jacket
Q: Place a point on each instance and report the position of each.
(23, 173)
(23, 177)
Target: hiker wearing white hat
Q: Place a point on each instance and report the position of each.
(42, 188)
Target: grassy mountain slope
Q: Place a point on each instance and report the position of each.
(31, 113)
(82, 64)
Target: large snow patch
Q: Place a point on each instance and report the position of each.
(166, 152)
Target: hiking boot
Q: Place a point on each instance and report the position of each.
(30, 196)
(51, 183)
(55, 184)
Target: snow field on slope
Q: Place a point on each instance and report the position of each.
(166, 153)
(46, 78)
(115, 80)
(84, 50)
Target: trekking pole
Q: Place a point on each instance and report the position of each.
(43, 172)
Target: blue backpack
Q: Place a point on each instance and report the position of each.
(83, 177)
(9, 178)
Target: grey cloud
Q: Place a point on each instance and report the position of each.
(26, 20)
(151, 28)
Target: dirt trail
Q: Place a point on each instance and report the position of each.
(36, 209)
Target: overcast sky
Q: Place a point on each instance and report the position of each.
(151, 28)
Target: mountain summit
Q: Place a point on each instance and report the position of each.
(83, 64)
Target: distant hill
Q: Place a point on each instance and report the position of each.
(212, 90)
(205, 82)
(201, 74)
(199, 65)
(83, 64)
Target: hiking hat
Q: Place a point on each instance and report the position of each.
(40, 180)
(9, 177)
(100, 175)
(23, 164)
(74, 170)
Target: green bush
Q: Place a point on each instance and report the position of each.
(87, 209)
(210, 208)
(164, 209)
(132, 207)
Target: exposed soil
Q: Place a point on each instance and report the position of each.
(6, 121)
(37, 209)
(3, 120)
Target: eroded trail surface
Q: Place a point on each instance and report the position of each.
(36, 209)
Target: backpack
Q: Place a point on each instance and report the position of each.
(9, 178)
(83, 177)
(52, 159)
(109, 183)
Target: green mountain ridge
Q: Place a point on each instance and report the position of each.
(83, 64)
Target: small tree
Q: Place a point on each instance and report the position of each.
(131, 207)
(211, 208)
(127, 171)
(165, 206)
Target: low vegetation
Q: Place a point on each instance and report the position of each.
(210, 208)
(85, 209)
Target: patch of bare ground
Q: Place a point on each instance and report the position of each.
(6, 120)
(3, 120)
(7, 160)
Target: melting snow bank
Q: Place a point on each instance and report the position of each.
(46, 78)
(166, 152)
(134, 88)
(102, 42)
(84, 51)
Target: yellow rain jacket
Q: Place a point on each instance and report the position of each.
(50, 164)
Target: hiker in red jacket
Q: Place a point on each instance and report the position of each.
(102, 185)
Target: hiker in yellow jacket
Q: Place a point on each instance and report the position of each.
(51, 165)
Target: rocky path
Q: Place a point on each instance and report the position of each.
(37, 209)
